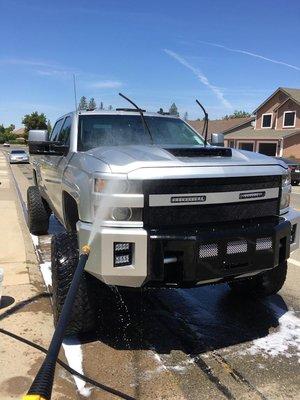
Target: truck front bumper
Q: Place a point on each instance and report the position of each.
(190, 258)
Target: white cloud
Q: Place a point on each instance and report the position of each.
(203, 79)
(40, 67)
(248, 53)
(105, 84)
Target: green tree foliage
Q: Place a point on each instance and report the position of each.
(237, 114)
(6, 134)
(174, 110)
(101, 107)
(92, 104)
(160, 111)
(110, 108)
(34, 121)
(83, 105)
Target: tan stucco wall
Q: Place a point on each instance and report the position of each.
(291, 146)
(290, 105)
(269, 107)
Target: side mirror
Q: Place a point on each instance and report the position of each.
(48, 148)
(217, 139)
(38, 136)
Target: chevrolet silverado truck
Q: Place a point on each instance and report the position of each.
(182, 212)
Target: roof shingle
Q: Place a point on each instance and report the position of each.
(219, 125)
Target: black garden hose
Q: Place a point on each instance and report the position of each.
(43, 382)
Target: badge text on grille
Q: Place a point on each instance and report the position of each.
(252, 195)
(188, 199)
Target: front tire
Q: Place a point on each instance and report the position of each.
(262, 285)
(38, 215)
(64, 260)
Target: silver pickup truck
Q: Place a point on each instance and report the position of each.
(179, 213)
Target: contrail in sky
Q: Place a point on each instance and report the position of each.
(248, 53)
(200, 76)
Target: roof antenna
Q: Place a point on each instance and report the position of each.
(205, 125)
(145, 125)
(75, 93)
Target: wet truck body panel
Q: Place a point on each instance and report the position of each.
(181, 214)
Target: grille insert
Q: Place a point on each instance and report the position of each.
(236, 247)
(263, 244)
(208, 250)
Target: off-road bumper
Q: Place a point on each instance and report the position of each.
(189, 258)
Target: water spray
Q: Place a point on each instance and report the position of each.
(41, 387)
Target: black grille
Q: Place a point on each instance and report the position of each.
(195, 215)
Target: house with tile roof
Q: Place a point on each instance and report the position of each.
(275, 128)
(219, 125)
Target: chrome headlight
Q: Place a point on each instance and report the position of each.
(117, 199)
(286, 178)
(286, 189)
(117, 186)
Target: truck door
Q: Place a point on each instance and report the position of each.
(57, 167)
(46, 171)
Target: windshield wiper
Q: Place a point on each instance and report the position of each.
(145, 125)
(205, 125)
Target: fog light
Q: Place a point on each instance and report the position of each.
(121, 214)
(122, 260)
(123, 253)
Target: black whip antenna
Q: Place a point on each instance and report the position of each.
(205, 125)
(145, 125)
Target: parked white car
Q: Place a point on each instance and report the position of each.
(18, 156)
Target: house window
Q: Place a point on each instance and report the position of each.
(289, 119)
(266, 121)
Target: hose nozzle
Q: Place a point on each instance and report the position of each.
(86, 249)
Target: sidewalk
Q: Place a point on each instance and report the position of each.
(25, 308)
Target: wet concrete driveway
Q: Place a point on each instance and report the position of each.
(199, 343)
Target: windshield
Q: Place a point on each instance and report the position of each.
(122, 130)
(18, 152)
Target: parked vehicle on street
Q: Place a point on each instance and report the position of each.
(6, 144)
(181, 212)
(294, 167)
(18, 156)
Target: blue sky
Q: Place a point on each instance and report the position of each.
(228, 54)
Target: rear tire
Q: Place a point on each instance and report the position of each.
(263, 285)
(38, 215)
(64, 260)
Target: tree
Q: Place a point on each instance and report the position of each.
(173, 110)
(185, 116)
(237, 114)
(49, 127)
(110, 108)
(34, 121)
(6, 134)
(160, 111)
(101, 107)
(82, 103)
(92, 104)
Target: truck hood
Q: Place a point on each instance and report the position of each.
(125, 159)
